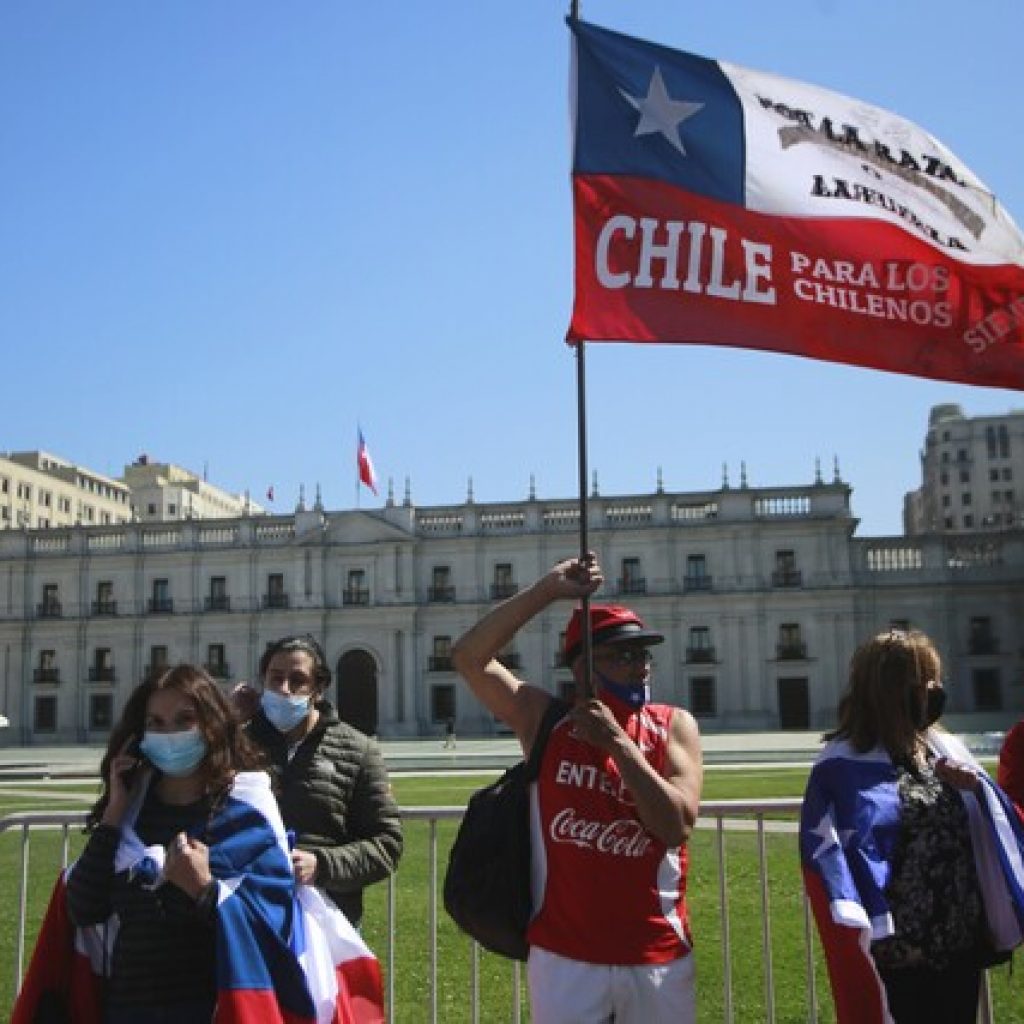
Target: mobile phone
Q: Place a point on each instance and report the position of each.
(134, 750)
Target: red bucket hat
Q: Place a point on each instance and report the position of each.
(609, 624)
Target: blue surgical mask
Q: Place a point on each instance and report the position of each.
(284, 713)
(636, 695)
(174, 753)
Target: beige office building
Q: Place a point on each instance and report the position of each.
(972, 474)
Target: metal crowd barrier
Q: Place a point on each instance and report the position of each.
(759, 816)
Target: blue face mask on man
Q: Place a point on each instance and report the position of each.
(636, 695)
(284, 713)
(174, 753)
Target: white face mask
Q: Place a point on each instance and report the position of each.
(284, 713)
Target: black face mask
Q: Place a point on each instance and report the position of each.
(934, 705)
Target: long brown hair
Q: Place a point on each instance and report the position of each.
(886, 673)
(228, 748)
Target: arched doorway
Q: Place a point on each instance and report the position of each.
(356, 691)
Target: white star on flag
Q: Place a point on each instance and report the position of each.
(826, 832)
(659, 113)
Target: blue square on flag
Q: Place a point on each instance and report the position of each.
(652, 112)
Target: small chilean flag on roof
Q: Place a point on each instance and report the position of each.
(367, 474)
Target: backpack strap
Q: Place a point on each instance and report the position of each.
(553, 714)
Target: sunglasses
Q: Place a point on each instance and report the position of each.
(628, 657)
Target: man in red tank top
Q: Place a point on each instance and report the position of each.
(612, 811)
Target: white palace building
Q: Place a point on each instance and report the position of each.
(763, 594)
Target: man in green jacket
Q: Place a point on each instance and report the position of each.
(330, 780)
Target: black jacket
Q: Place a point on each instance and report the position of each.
(335, 796)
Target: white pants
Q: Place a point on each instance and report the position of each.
(564, 991)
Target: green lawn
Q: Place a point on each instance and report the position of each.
(412, 949)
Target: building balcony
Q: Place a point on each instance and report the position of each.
(692, 583)
(49, 610)
(440, 663)
(275, 600)
(46, 675)
(500, 591)
(983, 645)
(787, 578)
(160, 606)
(700, 655)
(441, 595)
(634, 585)
(217, 603)
(104, 607)
(219, 669)
(101, 674)
(355, 597)
(791, 652)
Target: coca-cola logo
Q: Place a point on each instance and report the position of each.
(624, 837)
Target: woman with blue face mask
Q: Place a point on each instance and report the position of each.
(183, 906)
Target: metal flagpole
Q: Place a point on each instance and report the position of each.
(581, 419)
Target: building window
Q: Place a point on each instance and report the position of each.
(102, 668)
(945, 501)
(101, 712)
(216, 661)
(965, 498)
(944, 478)
(158, 663)
(442, 703)
(990, 440)
(699, 648)
(50, 607)
(161, 601)
(965, 476)
(356, 591)
(702, 695)
(441, 654)
(791, 645)
(981, 638)
(696, 577)
(988, 693)
(275, 597)
(632, 582)
(1007, 473)
(104, 603)
(1004, 441)
(786, 573)
(44, 717)
(47, 672)
(217, 600)
(504, 584)
(441, 588)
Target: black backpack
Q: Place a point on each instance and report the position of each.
(487, 883)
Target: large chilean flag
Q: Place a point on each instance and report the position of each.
(724, 206)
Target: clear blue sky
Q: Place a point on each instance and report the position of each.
(233, 228)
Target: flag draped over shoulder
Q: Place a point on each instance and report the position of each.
(849, 826)
(719, 205)
(282, 958)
